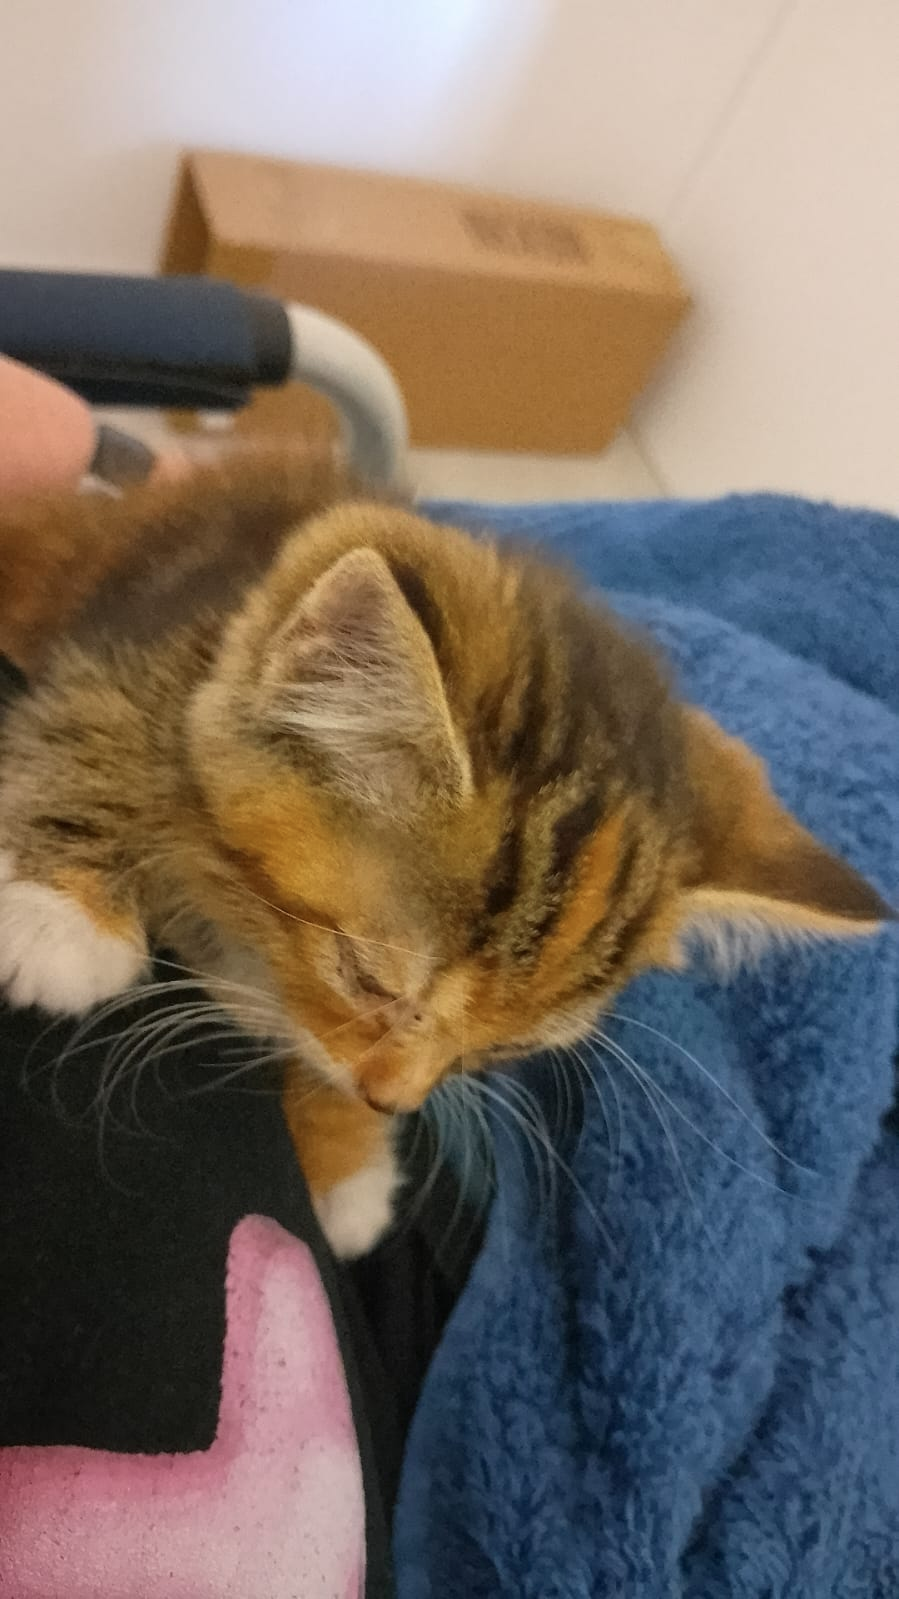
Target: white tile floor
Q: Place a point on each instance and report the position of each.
(620, 473)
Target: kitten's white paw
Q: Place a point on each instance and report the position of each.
(355, 1213)
(53, 955)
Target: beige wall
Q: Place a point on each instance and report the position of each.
(762, 135)
(788, 375)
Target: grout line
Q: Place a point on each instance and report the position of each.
(732, 105)
(710, 143)
(648, 462)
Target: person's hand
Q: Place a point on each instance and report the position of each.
(49, 439)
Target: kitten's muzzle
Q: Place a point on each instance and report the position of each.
(374, 1103)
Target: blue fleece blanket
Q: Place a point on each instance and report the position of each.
(678, 1374)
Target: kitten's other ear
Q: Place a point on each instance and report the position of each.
(758, 875)
(353, 674)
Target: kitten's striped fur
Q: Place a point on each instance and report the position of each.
(435, 803)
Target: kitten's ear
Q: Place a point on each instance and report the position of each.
(354, 675)
(758, 874)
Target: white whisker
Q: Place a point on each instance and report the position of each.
(645, 1079)
(536, 1138)
(633, 1021)
(586, 1068)
(650, 1089)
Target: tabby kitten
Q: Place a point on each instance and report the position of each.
(427, 800)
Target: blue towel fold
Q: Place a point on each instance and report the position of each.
(675, 1368)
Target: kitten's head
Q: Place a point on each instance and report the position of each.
(455, 807)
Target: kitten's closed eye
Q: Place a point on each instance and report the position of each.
(357, 978)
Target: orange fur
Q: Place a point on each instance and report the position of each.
(441, 805)
(92, 894)
(49, 565)
(589, 901)
(334, 1136)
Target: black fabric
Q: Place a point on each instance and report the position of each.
(116, 1219)
(114, 1237)
(117, 1205)
(409, 1286)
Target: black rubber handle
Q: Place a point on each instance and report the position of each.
(190, 342)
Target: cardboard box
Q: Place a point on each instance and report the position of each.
(510, 325)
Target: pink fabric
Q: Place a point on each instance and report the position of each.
(273, 1510)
